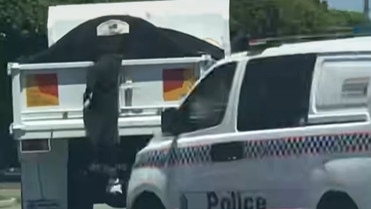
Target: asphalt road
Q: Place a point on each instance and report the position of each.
(13, 190)
(102, 207)
(95, 207)
(10, 185)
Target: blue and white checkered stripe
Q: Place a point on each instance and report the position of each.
(257, 149)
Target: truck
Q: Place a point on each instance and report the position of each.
(47, 92)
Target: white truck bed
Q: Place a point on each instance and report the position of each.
(47, 97)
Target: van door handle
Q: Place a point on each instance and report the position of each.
(229, 151)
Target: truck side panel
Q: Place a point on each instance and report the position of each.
(47, 98)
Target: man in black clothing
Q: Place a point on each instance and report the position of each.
(101, 112)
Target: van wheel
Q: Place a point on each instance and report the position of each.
(336, 200)
(148, 201)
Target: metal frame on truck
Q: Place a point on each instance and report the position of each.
(28, 123)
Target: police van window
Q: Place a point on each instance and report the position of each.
(275, 92)
(206, 105)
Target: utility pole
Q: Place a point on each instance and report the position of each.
(366, 9)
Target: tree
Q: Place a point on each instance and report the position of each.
(30, 16)
(345, 18)
(282, 17)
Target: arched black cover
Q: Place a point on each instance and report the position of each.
(144, 41)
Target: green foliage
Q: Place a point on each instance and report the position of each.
(283, 17)
(30, 16)
(345, 18)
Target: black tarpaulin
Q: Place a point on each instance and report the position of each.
(143, 42)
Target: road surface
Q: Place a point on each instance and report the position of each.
(10, 185)
(102, 207)
(13, 190)
(95, 207)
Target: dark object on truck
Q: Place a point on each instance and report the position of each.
(143, 41)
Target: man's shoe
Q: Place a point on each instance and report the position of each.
(114, 186)
(115, 196)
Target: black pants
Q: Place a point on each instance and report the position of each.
(104, 161)
(101, 115)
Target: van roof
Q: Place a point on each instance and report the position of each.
(356, 44)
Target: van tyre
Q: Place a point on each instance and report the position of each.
(148, 201)
(336, 200)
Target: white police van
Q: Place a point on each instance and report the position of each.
(288, 128)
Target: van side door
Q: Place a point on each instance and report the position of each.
(191, 172)
(273, 109)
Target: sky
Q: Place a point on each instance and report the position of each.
(353, 5)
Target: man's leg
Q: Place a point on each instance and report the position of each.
(101, 117)
(109, 159)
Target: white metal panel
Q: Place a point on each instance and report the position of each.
(189, 16)
(73, 65)
(147, 83)
(343, 83)
(357, 44)
(74, 128)
(140, 114)
(44, 176)
(71, 86)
